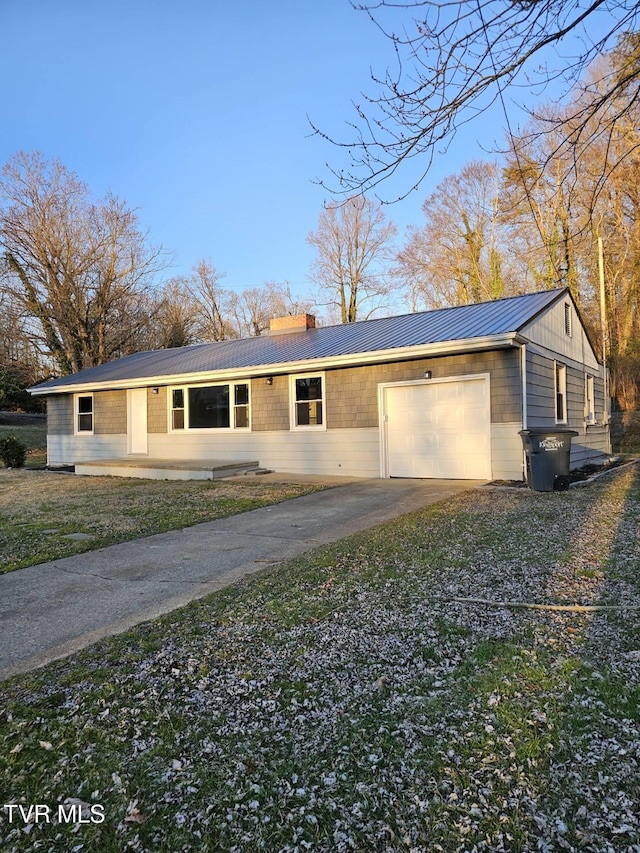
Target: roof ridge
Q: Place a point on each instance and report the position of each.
(468, 305)
(404, 332)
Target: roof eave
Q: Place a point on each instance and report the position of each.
(439, 348)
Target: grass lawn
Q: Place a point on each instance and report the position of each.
(34, 438)
(39, 509)
(349, 700)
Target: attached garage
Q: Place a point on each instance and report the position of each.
(437, 429)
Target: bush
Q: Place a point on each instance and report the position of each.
(12, 451)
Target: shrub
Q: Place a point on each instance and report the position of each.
(12, 451)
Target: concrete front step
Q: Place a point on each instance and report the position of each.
(253, 472)
(167, 469)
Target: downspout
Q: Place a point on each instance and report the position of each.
(604, 330)
(525, 417)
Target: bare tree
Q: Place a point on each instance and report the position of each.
(455, 59)
(210, 303)
(173, 313)
(353, 242)
(561, 201)
(545, 198)
(254, 307)
(617, 220)
(459, 255)
(196, 308)
(77, 267)
(21, 364)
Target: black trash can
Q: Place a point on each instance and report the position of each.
(548, 453)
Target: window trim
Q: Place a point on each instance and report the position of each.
(77, 413)
(560, 373)
(293, 424)
(207, 430)
(589, 399)
(173, 409)
(234, 406)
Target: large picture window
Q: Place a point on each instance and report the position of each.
(84, 413)
(209, 407)
(307, 395)
(201, 407)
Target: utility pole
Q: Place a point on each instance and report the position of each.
(604, 328)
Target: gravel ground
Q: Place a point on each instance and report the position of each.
(351, 700)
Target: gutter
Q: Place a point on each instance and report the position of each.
(253, 371)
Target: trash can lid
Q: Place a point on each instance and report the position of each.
(548, 431)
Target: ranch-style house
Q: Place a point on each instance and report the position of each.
(433, 394)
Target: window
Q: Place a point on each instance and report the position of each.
(210, 407)
(177, 408)
(307, 402)
(589, 400)
(567, 319)
(561, 393)
(241, 406)
(84, 413)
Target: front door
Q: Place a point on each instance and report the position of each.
(137, 421)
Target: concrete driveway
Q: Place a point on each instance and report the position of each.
(53, 609)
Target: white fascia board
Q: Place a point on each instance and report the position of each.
(331, 362)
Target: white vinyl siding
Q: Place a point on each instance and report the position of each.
(342, 452)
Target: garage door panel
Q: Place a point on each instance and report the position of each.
(438, 430)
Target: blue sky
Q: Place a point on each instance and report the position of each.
(196, 112)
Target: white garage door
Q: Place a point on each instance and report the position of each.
(439, 429)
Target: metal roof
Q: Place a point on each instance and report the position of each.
(481, 320)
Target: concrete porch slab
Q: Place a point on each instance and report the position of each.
(142, 467)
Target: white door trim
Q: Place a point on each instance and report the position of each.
(137, 438)
(384, 418)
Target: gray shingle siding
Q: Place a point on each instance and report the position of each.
(270, 404)
(157, 412)
(110, 413)
(60, 415)
(352, 393)
(540, 391)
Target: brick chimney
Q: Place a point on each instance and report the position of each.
(291, 323)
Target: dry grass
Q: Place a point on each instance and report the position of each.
(38, 509)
